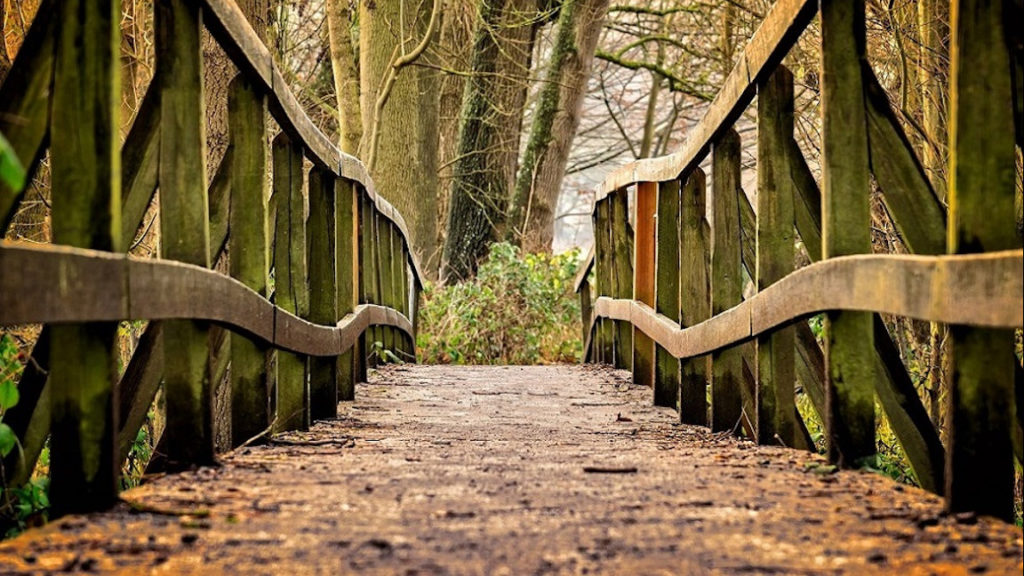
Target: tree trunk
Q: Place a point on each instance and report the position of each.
(346, 74)
(540, 177)
(491, 119)
(405, 163)
(455, 53)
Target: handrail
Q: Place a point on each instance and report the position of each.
(974, 290)
(779, 31)
(232, 30)
(58, 284)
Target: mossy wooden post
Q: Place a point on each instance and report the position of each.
(694, 300)
(726, 279)
(86, 213)
(586, 313)
(184, 227)
(776, 352)
(346, 264)
(666, 366)
(644, 254)
(846, 219)
(290, 292)
(604, 350)
(368, 258)
(979, 469)
(323, 297)
(385, 265)
(249, 262)
(622, 268)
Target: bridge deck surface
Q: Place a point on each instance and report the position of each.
(508, 470)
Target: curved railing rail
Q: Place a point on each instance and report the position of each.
(662, 293)
(321, 275)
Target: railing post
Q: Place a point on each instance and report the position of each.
(981, 198)
(695, 303)
(645, 230)
(775, 373)
(247, 110)
(386, 266)
(323, 304)
(86, 213)
(846, 230)
(586, 314)
(622, 269)
(184, 227)
(666, 366)
(726, 279)
(347, 266)
(368, 272)
(290, 292)
(604, 347)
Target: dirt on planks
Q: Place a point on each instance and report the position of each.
(517, 470)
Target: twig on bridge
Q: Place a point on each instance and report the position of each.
(604, 470)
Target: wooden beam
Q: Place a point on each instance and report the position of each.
(249, 262)
(846, 209)
(694, 298)
(644, 281)
(184, 227)
(323, 297)
(726, 278)
(290, 289)
(667, 375)
(346, 203)
(86, 198)
(622, 270)
(983, 178)
(775, 376)
(605, 347)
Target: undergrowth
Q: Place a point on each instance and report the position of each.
(519, 309)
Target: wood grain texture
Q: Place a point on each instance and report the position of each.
(778, 33)
(774, 399)
(249, 262)
(983, 178)
(694, 296)
(86, 199)
(645, 229)
(846, 229)
(604, 350)
(347, 266)
(666, 367)
(621, 249)
(976, 290)
(323, 297)
(726, 277)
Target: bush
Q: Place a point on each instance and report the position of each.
(519, 309)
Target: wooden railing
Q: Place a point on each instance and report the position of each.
(667, 295)
(345, 282)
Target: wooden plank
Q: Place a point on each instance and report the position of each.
(982, 290)
(773, 39)
(605, 352)
(622, 275)
(644, 247)
(249, 263)
(775, 400)
(666, 368)
(184, 217)
(980, 473)
(368, 259)
(385, 267)
(846, 209)
(140, 163)
(219, 202)
(694, 297)
(25, 103)
(138, 387)
(587, 320)
(347, 266)
(726, 278)
(290, 292)
(86, 197)
(323, 298)
(916, 210)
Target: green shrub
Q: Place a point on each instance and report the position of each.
(519, 309)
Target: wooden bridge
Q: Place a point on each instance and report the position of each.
(512, 469)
